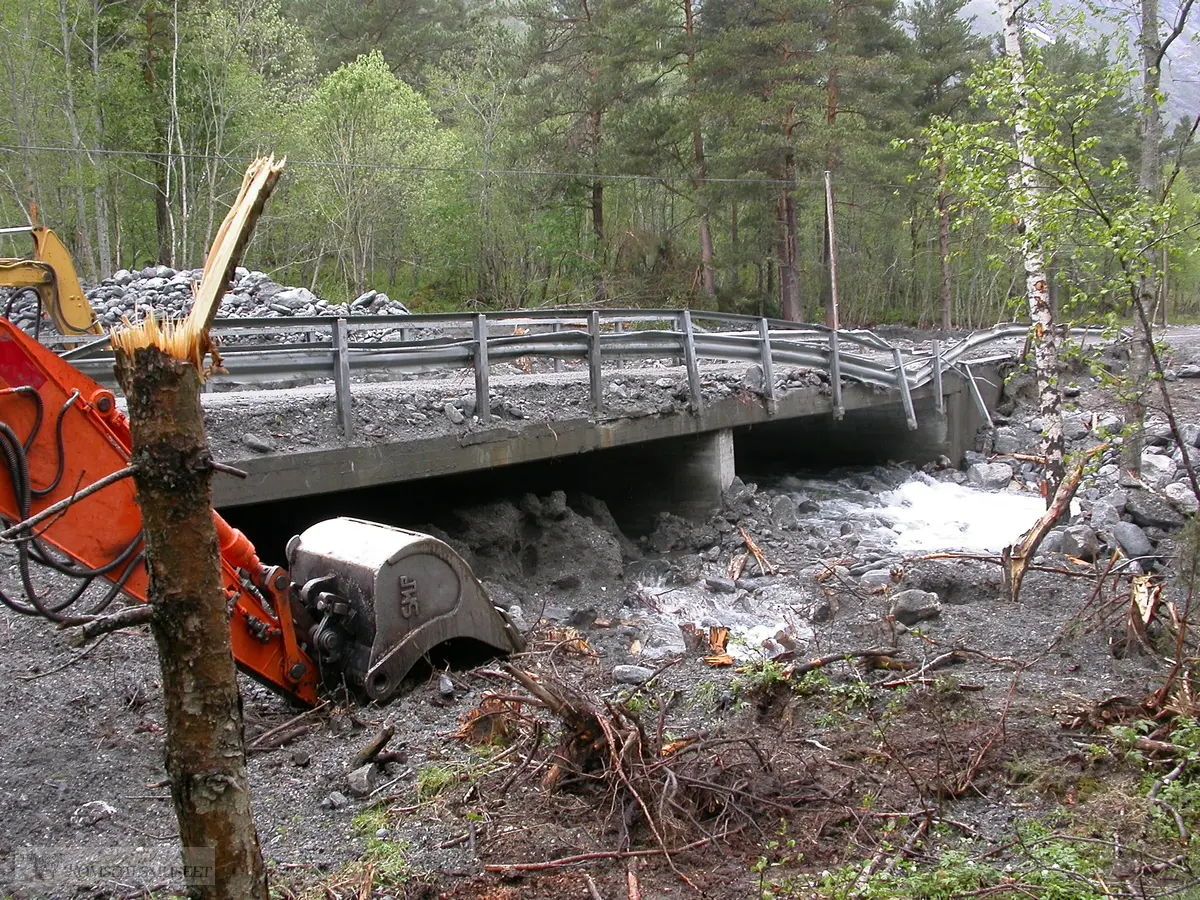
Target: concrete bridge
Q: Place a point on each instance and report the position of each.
(670, 396)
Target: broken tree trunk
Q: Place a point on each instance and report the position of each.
(160, 371)
(206, 762)
(1016, 558)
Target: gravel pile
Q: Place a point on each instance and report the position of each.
(169, 292)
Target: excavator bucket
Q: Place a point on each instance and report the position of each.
(382, 598)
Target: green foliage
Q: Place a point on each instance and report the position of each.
(416, 129)
(1049, 867)
(432, 780)
(1086, 203)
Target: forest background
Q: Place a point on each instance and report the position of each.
(524, 153)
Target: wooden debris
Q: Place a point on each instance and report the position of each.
(1017, 557)
(764, 567)
(129, 617)
(264, 740)
(570, 640)
(371, 750)
(718, 640)
(490, 724)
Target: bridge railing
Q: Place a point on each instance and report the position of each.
(256, 350)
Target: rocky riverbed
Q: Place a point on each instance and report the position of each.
(982, 718)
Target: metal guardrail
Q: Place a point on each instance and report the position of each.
(595, 336)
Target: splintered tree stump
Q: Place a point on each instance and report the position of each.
(205, 758)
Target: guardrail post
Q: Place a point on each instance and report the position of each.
(341, 378)
(483, 400)
(678, 322)
(977, 396)
(835, 375)
(693, 366)
(597, 383)
(939, 398)
(768, 365)
(405, 335)
(905, 393)
(558, 363)
(619, 328)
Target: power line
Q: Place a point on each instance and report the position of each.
(444, 170)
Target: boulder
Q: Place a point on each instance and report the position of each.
(1150, 510)
(1104, 516)
(631, 674)
(1182, 497)
(1157, 469)
(913, 606)
(876, 580)
(258, 443)
(1075, 428)
(990, 476)
(1079, 541)
(1009, 440)
(362, 780)
(1132, 540)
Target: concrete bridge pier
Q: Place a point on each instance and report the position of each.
(683, 475)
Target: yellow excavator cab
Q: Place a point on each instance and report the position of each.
(51, 273)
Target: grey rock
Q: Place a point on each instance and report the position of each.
(258, 443)
(1104, 516)
(1193, 455)
(1008, 440)
(362, 780)
(876, 580)
(335, 800)
(1190, 433)
(1074, 428)
(1150, 510)
(913, 606)
(990, 476)
(1053, 542)
(1157, 470)
(661, 640)
(752, 379)
(631, 674)
(363, 300)
(1132, 540)
(1079, 541)
(445, 686)
(1182, 497)
(454, 414)
(1188, 371)
(720, 585)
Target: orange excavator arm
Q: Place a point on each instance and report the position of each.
(362, 605)
(51, 273)
(61, 432)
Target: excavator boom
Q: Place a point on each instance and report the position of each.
(51, 274)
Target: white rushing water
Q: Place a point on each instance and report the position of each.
(920, 516)
(927, 516)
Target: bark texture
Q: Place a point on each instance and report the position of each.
(205, 757)
(1037, 293)
(1150, 180)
